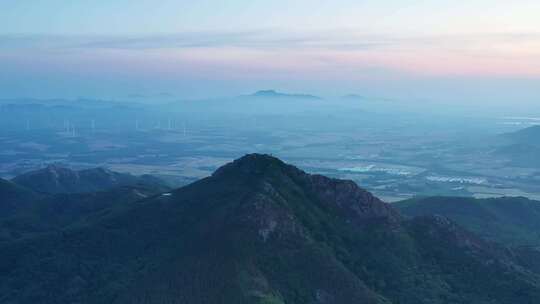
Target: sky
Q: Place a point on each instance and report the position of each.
(481, 52)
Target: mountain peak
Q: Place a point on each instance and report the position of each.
(269, 93)
(258, 157)
(252, 164)
(267, 173)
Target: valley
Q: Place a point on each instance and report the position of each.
(395, 155)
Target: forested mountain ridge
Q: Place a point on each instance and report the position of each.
(57, 179)
(508, 220)
(261, 231)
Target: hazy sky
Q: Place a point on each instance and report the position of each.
(468, 51)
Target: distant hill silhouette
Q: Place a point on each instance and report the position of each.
(522, 148)
(275, 94)
(530, 136)
(352, 97)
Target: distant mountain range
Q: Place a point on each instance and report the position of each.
(275, 94)
(53, 198)
(256, 231)
(57, 179)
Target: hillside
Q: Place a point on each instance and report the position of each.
(520, 148)
(55, 179)
(43, 214)
(509, 220)
(26, 213)
(14, 197)
(521, 154)
(261, 231)
(530, 135)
